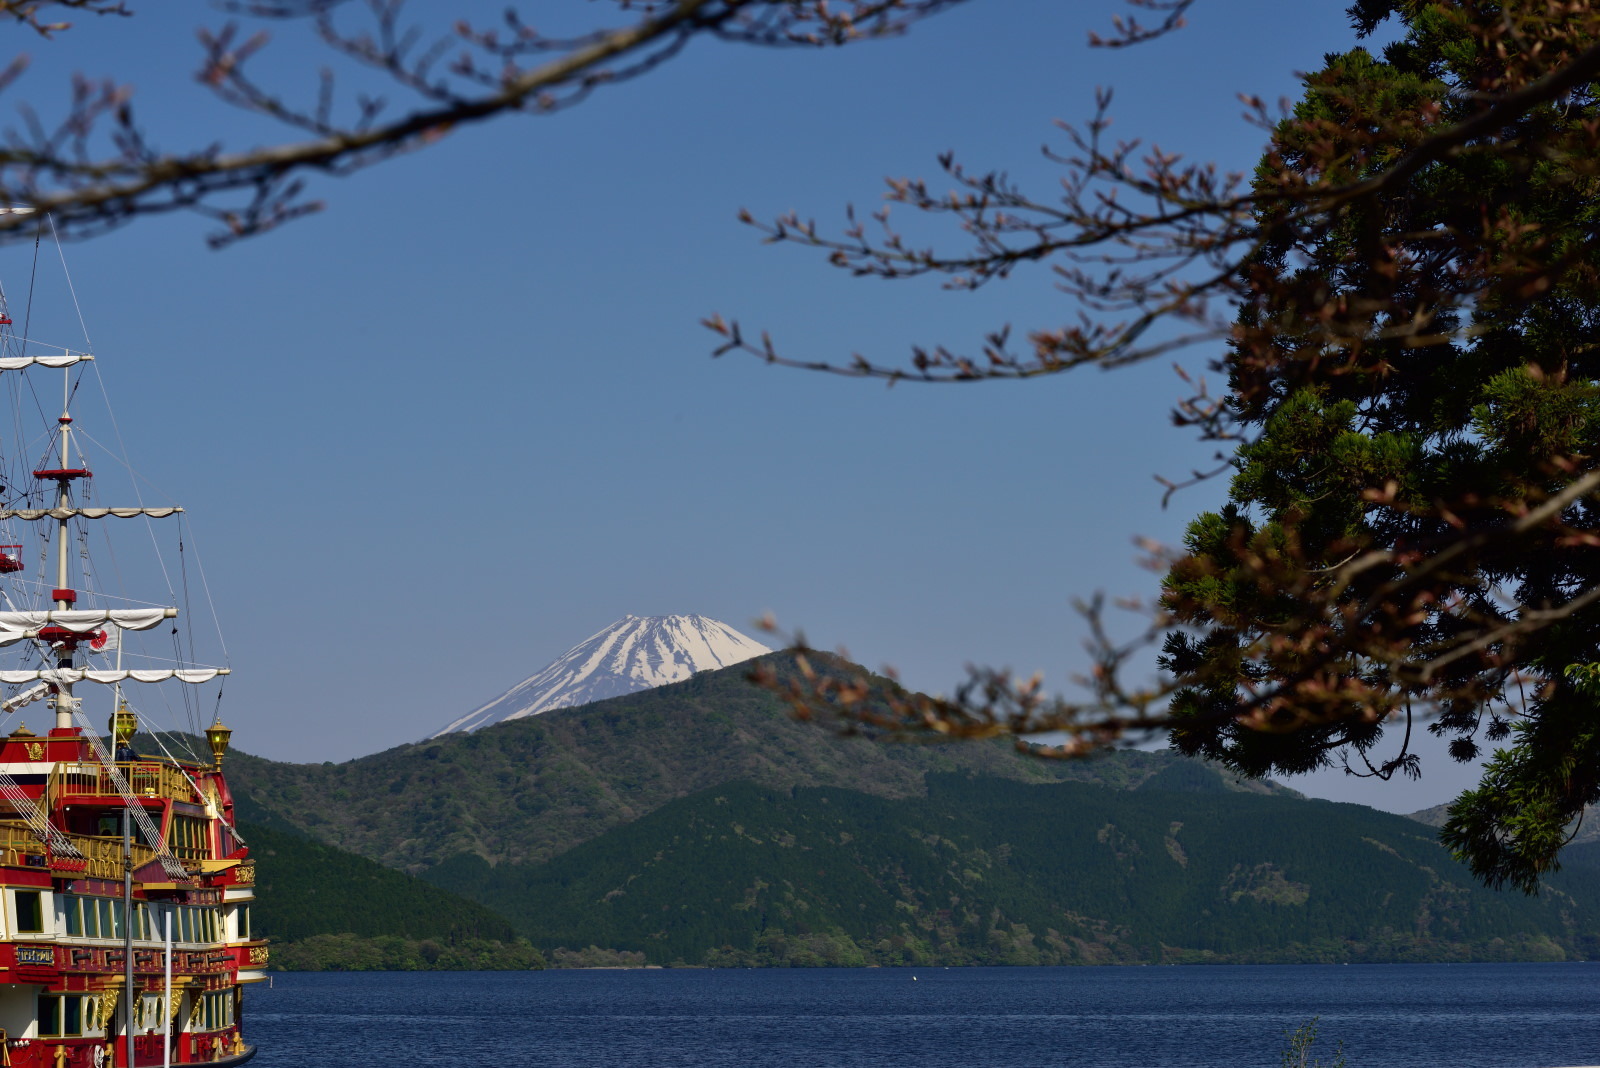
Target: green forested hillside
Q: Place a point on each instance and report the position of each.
(985, 870)
(529, 789)
(305, 888)
(324, 908)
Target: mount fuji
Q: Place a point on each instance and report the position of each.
(634, 653)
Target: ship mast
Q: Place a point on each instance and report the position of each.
(64, 595)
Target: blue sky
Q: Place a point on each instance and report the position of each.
(439, 433)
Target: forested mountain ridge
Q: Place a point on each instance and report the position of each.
(528, 789)
(990, 871)
(304, 888)
(326, 909)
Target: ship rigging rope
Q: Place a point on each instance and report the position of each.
(25, 806)
(122, 457)
(152, 836)
(21, 446)
(205, 585)
(190, 701)
(37, 821)
(198, 792)
(62, 253)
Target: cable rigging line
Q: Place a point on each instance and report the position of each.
(61, 252)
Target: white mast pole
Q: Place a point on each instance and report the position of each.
(129, 993)
(116, 696)
(64, 697)
(166, 997)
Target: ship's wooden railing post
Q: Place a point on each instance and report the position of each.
(145, 779)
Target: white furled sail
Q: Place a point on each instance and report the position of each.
(17, 363)
(15, 626)
(86, 513)
(193, 676)
(26, 697)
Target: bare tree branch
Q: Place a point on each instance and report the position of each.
(466, 77)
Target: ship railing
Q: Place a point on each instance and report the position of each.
(104, 855)
(17, 843)
(101, 856)
(83, 779)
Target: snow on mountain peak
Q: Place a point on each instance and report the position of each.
(634, 653)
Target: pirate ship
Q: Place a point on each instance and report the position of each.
(125, 889)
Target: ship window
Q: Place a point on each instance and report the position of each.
(30, 914)
(243, 913)
(60, 1015)
(103, 906)
(72, 1013)
(91, 919)
(49, 1014)
(216, 1011)
(186, 924)
(190, 838)
(117, 918)
(74, 916)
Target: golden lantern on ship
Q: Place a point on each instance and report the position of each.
(123, 724)
(218, 736)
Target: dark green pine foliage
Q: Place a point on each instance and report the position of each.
(305, 888)
(1397, 442)
(325, 909)
(986, 871)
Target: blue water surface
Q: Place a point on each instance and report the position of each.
(1415, 1015)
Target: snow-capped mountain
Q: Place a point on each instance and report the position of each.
(634, 653)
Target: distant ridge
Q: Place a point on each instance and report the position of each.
(535, 787)
(634, 653)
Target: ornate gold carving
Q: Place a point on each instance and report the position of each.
(108, 1007)
(258, 954)
(244, 873)
(35, 750)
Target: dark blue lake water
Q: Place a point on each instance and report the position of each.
(1420, 1016)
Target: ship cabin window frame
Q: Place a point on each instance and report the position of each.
(198, 924)
(93, 916)
(216, 1011)
(63, 1015)
(189, 837)
(27, 912)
